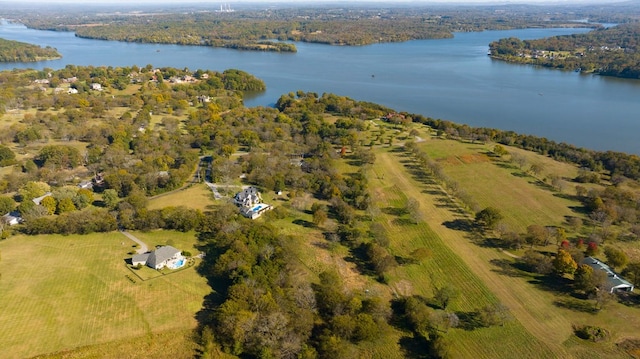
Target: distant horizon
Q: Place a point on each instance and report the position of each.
(307, 2)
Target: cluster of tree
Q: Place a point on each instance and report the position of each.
(15, 51)
(610, 52)
(248, 29)
(265, 305)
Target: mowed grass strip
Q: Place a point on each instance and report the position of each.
(62, 292)
(444, 266)
(533, 304)
(456, 258)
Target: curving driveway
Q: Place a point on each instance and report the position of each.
(143, 247)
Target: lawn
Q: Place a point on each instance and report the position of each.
(63, 292)
(198, 196)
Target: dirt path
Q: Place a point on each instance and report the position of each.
(143, 247)
(538, 319)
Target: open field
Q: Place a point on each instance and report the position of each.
(198, 196)
(63, 292)
(537, 308)
(446, 265)
(523, 199)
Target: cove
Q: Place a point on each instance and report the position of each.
(451, 79)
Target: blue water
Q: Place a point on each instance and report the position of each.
(451, 79)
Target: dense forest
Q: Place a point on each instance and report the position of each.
(610, 52)
(15, 51)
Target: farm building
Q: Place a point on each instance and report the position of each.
(615, 283)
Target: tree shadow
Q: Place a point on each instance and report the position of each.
(506, 267)
(575, 304)
(415, 346)
(304, 223)
(461, 224)
(469, 320)
(403, 222)
(553, 283)
(505, 165)
(629, 299)
(394, 211)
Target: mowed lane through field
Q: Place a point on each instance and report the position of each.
(539, 317)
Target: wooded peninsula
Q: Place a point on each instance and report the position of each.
(16, 51)
(611, 52)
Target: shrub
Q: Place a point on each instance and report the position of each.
(588, 332)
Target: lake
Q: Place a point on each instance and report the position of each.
(451, 79)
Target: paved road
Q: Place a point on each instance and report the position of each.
(143, 247)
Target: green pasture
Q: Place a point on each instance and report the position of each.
(63, 292)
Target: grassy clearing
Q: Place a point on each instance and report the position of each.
(175, 344)
(198, 196)
(64, 292)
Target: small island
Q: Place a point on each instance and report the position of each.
(16, 51)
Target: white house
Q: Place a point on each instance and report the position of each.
(250, 202)
(159, 258)
(248, 197)
(615, 283)
(96, 86)
(12, 218)
(38, 200)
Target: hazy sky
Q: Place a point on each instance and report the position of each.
(217, 2)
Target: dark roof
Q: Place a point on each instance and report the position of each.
(246, 193)
(613, 280)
